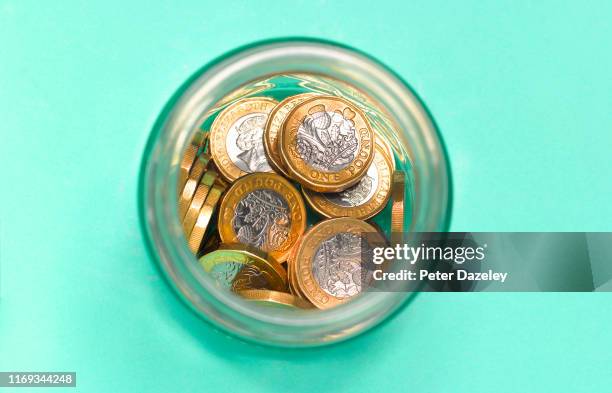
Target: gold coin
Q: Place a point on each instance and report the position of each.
(276, 119)
(397, 208)
(195, 175)
(206, 212)
(362, 200)
(187, 161)
(189, 156)
(241, 269)
(327, 144)
(328, 261)
(198, 200)
(264, 297)
(236, 138)
(265, 211)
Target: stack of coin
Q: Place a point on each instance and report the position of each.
(200, 189)
(242, 192)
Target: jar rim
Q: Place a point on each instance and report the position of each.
(167, 244)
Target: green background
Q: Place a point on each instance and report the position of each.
(520, 91)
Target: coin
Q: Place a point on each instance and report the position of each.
(329, 266)
(362, 200)
(327, 144)
(267, 297)
(397, 208)
(198, 200)
(236, 137)
(273, 125)
(263, 210)
(206, 212)
(189, 156)
(187, 161)
(242, 269)
(195, 175)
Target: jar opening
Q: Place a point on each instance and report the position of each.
(277, 70)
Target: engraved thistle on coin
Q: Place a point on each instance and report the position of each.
(337, 265)
(326, 140)
(261, 219)
(250, 144)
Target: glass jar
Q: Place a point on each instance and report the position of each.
(255, 70)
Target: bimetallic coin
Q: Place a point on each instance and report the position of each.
(241, 269)
(206, 212)
(276, 119)
(362, 200)
(236, 137)
(327, 144)
(198, 201)
(195, 175)
(265, 211)
(274, 298)
(397, 209)
(329, 266)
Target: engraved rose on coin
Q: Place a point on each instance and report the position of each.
(355, 195)
(261, 219)
(337, 265)
(326, 140)
(250, 144)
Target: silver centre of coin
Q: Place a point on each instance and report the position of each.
(337, 265)
(262, 219)
(358, 194)
(244, 143)
(327, 141)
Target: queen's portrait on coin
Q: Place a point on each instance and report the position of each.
(250, 144)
